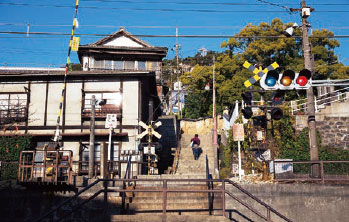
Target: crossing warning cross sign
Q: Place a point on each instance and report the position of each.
(258, 72)
(149, 130)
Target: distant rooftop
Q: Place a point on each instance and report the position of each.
(7, 68)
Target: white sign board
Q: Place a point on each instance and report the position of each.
(110, 121)
(267, 155)
(238, 132)
(283, 167)
(235, 168)
(152, 150)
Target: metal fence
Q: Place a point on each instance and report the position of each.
(330, 171)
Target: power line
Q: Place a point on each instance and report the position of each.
(275, 4)
(119, 26)
(167, 36)
(164, 9)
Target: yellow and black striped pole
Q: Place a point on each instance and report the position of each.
(258, 72)
(56, 136)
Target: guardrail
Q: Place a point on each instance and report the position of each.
(330, 171)
(321, 100)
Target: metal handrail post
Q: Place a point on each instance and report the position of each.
(223, 198)
(268, 214)
(322, 172)
(164, 203)
(105, 184)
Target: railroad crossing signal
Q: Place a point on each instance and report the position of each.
(258, 72)
(149, 129)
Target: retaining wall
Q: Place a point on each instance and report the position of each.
(298, 202)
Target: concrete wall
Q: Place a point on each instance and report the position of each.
(298, 202)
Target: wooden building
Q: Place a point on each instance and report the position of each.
(120, 68)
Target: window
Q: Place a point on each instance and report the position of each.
(99, 64)
(118, 65)
(112, 156)
(108, 64)
(149, 65)
(113, 103)
(13, 107)
(141, 65)
(129, 65)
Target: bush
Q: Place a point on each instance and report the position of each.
(10, 147)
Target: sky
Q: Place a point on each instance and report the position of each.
(148, 17)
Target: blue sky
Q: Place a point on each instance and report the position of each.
(153, 17)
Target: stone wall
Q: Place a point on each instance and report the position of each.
(334, 131)
(201, 126)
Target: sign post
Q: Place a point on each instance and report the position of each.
(111, 123)
(238, 135)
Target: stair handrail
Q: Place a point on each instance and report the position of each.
(68, 200)
(127, 172)
(223, 190)
(176, 158)
(258, 200)
(209, 185)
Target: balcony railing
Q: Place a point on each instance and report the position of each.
(12, 114)
(101, 111)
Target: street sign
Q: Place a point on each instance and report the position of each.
(238, 132)
(110, 121)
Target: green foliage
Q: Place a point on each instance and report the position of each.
(10, 147)
(224, 173)
(296, 147)
(196, 105)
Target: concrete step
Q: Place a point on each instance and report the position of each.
(151, 217)
(172, 199)
(169, 206)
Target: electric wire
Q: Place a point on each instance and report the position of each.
(165, 9)
(167, 36)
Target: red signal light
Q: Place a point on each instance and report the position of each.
(302, 80)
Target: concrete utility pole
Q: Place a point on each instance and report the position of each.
(177, 72)
(214, 140)
(309, 64)
(91, 159)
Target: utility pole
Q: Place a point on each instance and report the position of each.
(309, 64)
(177, 72)
(91, 159)
(214, 141)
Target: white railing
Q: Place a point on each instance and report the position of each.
(320, 101)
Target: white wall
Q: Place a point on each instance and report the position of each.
(37, 104)
(73, 104)
(130, 103)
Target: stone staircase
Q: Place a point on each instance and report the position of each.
(185, 206)
(180, 206)
(187, 164)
